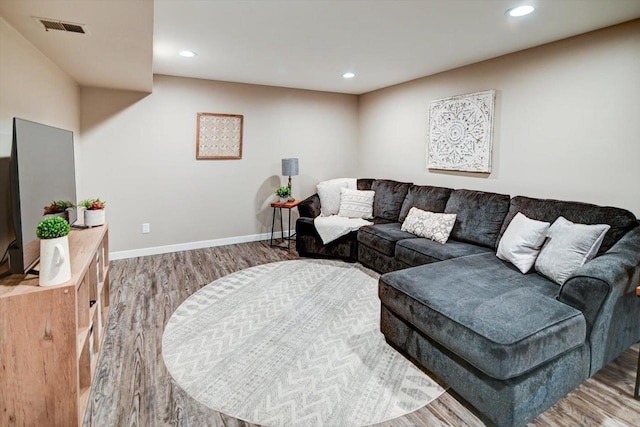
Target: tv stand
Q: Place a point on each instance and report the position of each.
(51, 337)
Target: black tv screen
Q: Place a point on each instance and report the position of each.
(42, 170)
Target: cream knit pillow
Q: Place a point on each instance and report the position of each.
(329, 193)
(356, 203)
(431, 225)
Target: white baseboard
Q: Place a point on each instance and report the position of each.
(134, 253)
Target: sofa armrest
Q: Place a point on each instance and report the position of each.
(310, 207)
(604, 290)
(614, 273)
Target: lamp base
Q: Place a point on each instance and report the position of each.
(291, 198)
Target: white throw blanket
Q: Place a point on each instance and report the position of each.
(334, 226)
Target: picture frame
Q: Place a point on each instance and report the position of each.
(219, 136)
(461, 132)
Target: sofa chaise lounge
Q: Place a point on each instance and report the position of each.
(510, 344)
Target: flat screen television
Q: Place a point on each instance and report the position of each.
(42, 169)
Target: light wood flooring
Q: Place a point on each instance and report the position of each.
(132, 386)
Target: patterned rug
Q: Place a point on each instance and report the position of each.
(293, 343)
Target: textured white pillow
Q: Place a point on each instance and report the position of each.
(431, 225)
(568, 247)
(521, 242)
(329, 193)
(356, 203)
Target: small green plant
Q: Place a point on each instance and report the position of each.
(283, 192)
(52, 228)
(92, 204)
(57, 206)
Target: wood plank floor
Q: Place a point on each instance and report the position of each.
(132, 386)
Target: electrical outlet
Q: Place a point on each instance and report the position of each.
(146, 228)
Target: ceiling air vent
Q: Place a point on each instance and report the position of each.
(50, 24)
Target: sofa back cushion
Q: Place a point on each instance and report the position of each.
(389, 197)
(480, 216)
(620, 220)
(426, 198)
(365, 183)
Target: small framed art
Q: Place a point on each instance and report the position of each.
(219, 136)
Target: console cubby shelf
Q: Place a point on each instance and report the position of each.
(51, 337)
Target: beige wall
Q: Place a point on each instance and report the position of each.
(138, 154)
(567, 122)
(32, 88)
(566, 127)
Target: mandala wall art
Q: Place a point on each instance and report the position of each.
(219, 136)
(460, 132)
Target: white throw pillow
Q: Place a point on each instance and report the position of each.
(521, 242)
(568, 247)
(356, 203)
(329, 193)
(431, 225)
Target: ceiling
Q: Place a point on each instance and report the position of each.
(297, 43)
(116, 52)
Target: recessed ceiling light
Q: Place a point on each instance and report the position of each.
(187, 53)
(348, 75)
(520, 11)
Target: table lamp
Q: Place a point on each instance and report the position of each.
(289, 168)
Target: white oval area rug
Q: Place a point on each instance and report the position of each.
(293, 343)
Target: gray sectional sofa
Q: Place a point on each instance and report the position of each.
(510, 344)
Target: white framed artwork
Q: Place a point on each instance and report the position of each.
(461, 132)
(219, 136)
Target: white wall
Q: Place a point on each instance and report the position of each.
(138, 154)
(32, 88)
(567, 122)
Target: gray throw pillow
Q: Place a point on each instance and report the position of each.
(521, 242)
(568, 247)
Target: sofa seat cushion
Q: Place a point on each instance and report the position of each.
(501, 321)
(307, 226)
(383, 237)
(415, 252)
(309, 243)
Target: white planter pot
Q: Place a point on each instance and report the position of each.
(284, 199)
(63, 215)
(93, 217)
(55, 267)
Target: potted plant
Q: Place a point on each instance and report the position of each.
(284, 193)
(93, 212)
(58, 208)
(55, 267)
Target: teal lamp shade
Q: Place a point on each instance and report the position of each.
(289, 168)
